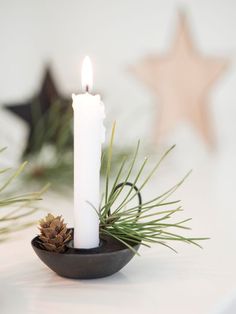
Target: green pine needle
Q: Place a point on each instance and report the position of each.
(141, 224)
(15, 208)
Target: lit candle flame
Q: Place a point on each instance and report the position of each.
(87, 75)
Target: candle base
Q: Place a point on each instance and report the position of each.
(70, 246)
(105, 260)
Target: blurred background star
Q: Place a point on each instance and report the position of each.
(40, 112)
(181, 81)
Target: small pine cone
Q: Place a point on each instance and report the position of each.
(54, 233)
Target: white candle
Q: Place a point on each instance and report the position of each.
(89, 134)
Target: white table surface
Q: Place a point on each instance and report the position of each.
(194, 281)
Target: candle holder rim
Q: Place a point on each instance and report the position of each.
(35, 242)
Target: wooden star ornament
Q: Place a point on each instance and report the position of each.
(181, 80)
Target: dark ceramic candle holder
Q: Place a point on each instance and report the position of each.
(105, 260)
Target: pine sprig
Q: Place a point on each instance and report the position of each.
(15, 208)
(144, 223)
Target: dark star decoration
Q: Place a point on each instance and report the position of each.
(37, 110)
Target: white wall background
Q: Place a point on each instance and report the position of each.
(116, 34)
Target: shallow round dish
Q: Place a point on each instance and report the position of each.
(105, 260)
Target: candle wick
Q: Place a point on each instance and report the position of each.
(87, 88)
